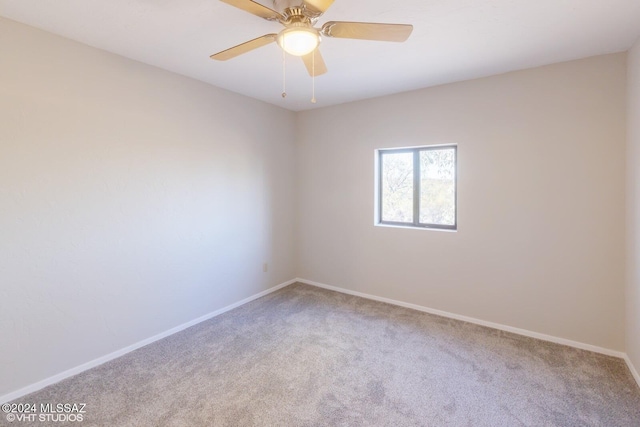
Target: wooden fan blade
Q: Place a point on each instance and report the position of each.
(315, 66)
(318, 6)
(244, 47)
(367, 31)
(255, 9)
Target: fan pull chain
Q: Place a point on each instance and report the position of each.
(284, 74)
(313, 77)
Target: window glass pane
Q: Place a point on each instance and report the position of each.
(397, 187)
(437, 187)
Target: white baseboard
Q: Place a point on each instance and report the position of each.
(99, 361)
(633, 369)
(506, 328)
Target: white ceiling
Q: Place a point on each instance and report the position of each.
(452, 40)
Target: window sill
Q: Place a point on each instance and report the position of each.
(409, 227)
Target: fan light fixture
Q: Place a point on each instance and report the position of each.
(300, 37)
(299, 41)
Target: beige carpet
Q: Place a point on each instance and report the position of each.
(304, 356)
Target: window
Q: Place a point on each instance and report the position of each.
(417, 187)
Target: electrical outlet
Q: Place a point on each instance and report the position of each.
(265, 267)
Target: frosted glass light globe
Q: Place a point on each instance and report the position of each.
(299, 41)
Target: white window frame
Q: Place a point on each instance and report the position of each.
(416, 188)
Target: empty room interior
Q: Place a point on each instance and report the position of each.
(320, 213)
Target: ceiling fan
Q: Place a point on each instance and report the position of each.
(301, 38)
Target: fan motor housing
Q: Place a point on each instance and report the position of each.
(295, 11)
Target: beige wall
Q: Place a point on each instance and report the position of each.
(633, 208)
(132, 200)
(540, 244)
